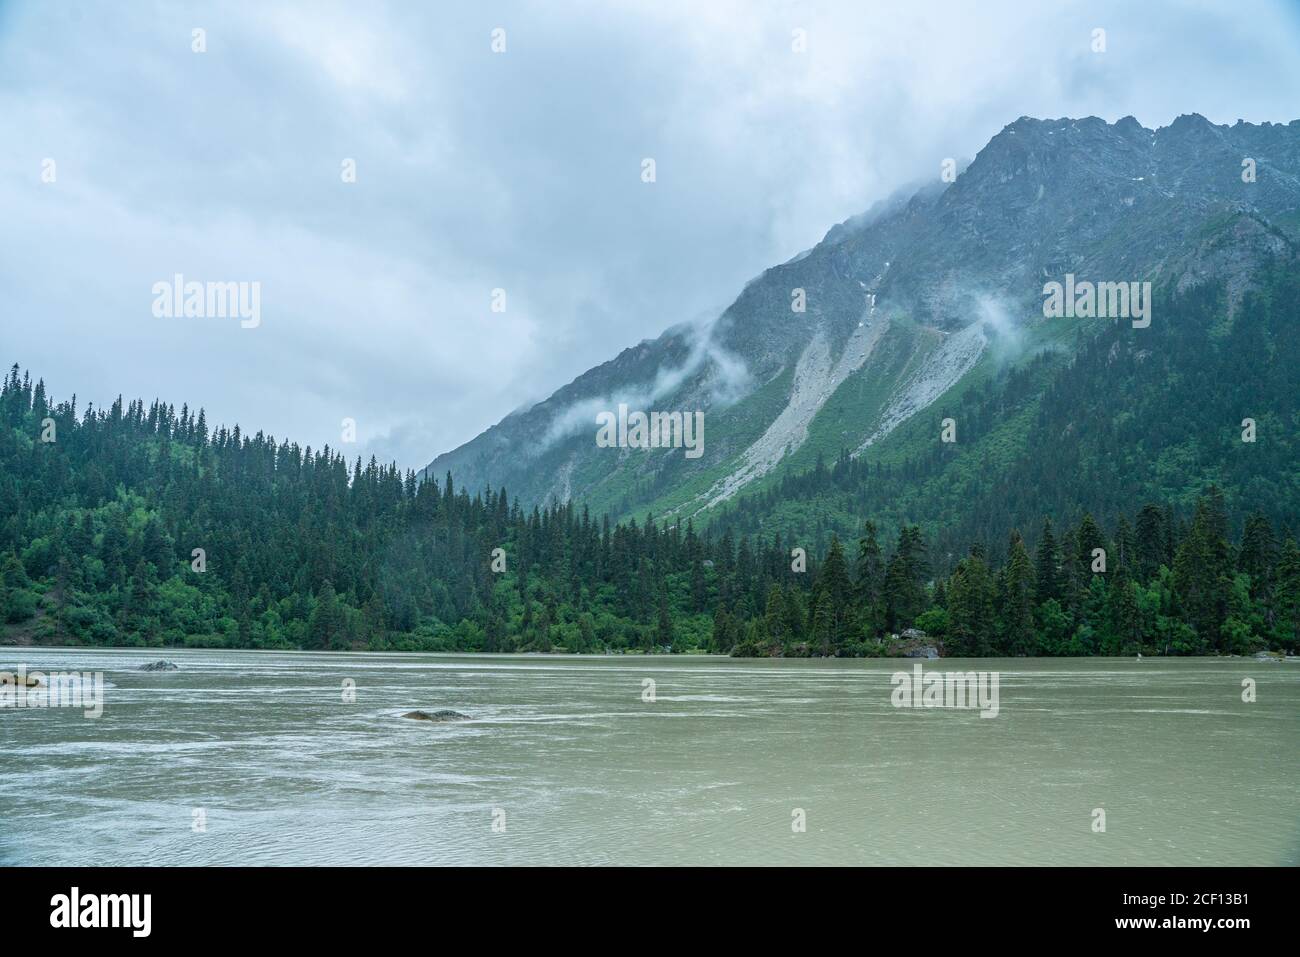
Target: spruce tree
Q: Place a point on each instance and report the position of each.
(971, 616)
(1123, 621)
(1046, 575)
(1201, 571)
(664, 627)
(905, 577)
(1018, 600)
(823, 626)
(1149, 542)
(869, 583)
(1287, 597)
(836, 588)
(1258, 555)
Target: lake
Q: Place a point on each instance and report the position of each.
(247, 757)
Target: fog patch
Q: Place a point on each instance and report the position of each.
(728, 379)
(1006, 336)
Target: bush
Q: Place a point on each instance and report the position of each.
(19, 605)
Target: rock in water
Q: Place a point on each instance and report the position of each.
(9, 678)
(436, 716)
(160, 666)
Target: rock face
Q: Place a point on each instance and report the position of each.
(160, 666)
(443, 715)
(912, 643)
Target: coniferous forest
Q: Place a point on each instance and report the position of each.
(139, 525)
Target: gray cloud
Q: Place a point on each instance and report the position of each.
(519, 171)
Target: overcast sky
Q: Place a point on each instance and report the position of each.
(518, 170)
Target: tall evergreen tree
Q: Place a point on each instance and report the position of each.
(1149, 542)
(1201, 571)
(1046, 573)
(664, 633)
(1258, 555)
(971, 614)
(834, 585)
(869, 582)
(1018, 599)
(1287, 596)
(905, 577)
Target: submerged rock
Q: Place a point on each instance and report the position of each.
(443, 715)
(9, 678)
(160, 666)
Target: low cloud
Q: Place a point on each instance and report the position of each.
(518, 171)
(726, 380)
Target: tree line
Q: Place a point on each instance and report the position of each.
(140, 525)
(1206, 395)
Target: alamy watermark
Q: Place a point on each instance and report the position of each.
(177, 299)
(656, 430)
(1102, 300)
(964, 690)
(58, 689)
(75, 909)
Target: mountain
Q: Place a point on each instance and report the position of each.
(1112, 486)
(909, 307)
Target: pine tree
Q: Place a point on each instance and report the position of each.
(1149, 542)
(905, 580)
(326, 624)
(1201, 571)
(1018, 600)
(1092, 621)
(17, 602)
(835, 587)
(1125, 549)
(698, 596)
(774, 615)
(1046, 578)
(869, 583)
(1258, 556)
(1123, 620)
(823, 625)
(1287, 597)
(1089, 539)
(971, 619)
(795, 619)
(723, 638)
(664, 628)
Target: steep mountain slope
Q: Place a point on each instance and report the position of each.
(908, 305)
(1128, 417)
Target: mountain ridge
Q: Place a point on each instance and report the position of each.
(936, 282)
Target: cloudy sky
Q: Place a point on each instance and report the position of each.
(518, 170)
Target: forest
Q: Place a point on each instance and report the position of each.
(137, 525)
